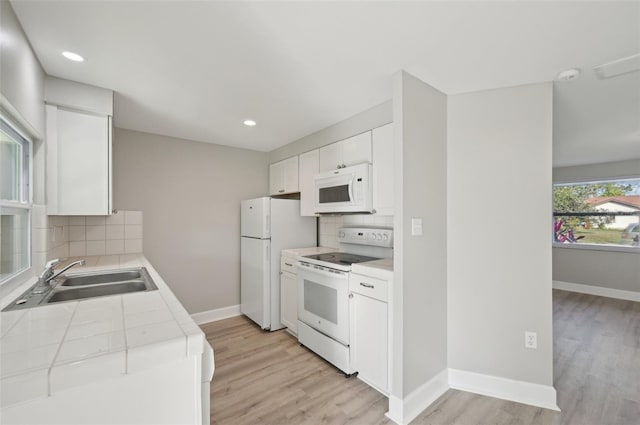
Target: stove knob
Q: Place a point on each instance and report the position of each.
(341, 234)
(385, 237)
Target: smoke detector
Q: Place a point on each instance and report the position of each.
(568, 74)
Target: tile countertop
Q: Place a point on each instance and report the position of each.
(50, 348)
(381, 269)
(297, 252)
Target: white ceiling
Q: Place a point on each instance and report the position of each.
(196, 70)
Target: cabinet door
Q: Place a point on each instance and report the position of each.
(369, 334)
(276, 179)
(83, 163)
(283, 176)
(309, 167)
(290, 175)
(382, 147)
(289, 301)
(330, 157)
(356, 149)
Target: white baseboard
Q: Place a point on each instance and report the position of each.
(215, 315)
(597, 290)
(507, 389)
(403, 411)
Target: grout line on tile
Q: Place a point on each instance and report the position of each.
(14, 323)
(64, 336)
(124, 330)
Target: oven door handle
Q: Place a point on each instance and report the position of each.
(322, 271)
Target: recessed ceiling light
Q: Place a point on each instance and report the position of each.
(73, 56)
(249, 123)
(568, 74)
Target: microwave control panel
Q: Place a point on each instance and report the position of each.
(376, 236)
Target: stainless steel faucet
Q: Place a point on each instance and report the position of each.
(44, 281)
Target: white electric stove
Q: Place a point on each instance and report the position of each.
(323, 292)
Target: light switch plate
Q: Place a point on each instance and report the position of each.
(416, 226)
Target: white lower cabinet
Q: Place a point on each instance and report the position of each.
(289, 294)
(369, 332)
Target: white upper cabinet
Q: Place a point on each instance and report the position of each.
(309, 167)
(383, 169)
(78, 163)
(78, 143)
(351, 151)
(283, 177)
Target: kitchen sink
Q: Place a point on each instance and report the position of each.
(96, 291)
(95, 279)
(75, 287)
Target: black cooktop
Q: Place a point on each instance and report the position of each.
(341, 258)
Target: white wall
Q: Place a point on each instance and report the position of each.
(607, 269)
(190, 195)
(594, 172)
(499, 251)
(22, 98)
(371, 118)
(21, 76)
(420, 275)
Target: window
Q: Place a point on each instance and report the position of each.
(15, 202)
(605, 213)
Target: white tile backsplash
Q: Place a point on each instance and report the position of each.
(96, 220)
(114, 219)
(132, 217)
(114, 247)
(75, 236)
(329, 225)
(115, 232)
(96, 233)
(77, 220)
(132, 246)
(96, 247)
(77, 233)
(133, 231)
(77, 248)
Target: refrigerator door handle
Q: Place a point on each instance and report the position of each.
(266, 254)
(267, 225)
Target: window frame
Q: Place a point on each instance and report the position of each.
(591, 246)
(26, 197)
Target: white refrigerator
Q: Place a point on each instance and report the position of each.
(267, 226)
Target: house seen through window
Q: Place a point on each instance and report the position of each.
(597, 213)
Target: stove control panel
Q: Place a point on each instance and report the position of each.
(376, 236)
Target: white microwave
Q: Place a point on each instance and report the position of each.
(345, 190)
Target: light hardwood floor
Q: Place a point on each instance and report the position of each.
(268, 378)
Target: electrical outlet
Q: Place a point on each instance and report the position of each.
(416, 226)
(530, 340)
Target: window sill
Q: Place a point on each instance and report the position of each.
(594, 247)
(16, 285)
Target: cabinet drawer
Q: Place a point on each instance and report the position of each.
(288, 264)
(369, 286)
